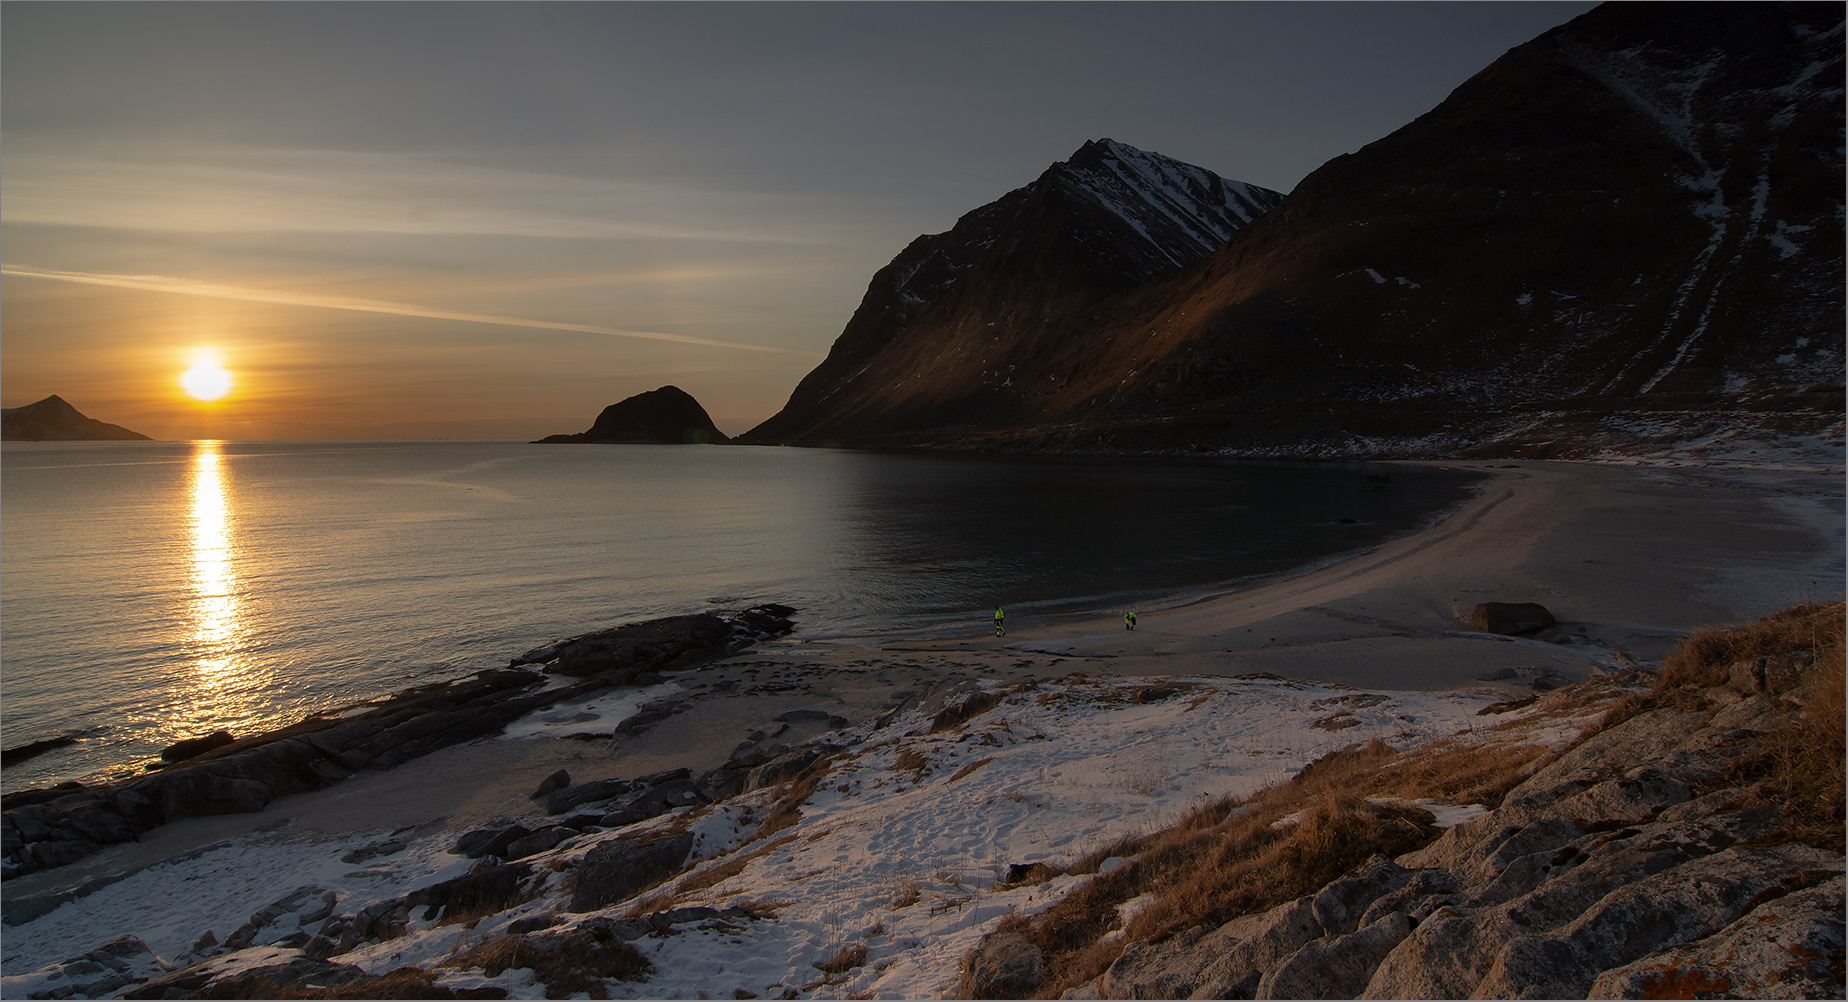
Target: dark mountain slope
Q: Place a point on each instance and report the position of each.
(1008, 281)
(1627, 229)
(53, 420)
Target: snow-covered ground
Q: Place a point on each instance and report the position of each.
(901, 849)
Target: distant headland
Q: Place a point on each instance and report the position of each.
(667, 416)
(54, 420)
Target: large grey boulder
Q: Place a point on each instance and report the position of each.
(1788, 947)
(616, 869)
(1005, 965)
(1510, 618)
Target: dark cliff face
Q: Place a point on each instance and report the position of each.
(53, 420)
(955, 314)
(667, 416)
(1636, 217)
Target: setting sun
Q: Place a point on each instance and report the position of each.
(206, 381)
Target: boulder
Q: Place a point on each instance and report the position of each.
(1335, 967)
(616, 869)
(588, 793)
(539, 841)
(1005, 965)
(180, 751)
(1788, 947)
(1510, 618)
(490, 889)
(551, 784)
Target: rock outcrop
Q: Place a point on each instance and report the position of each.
(48, 828)
(53, 420)
(1628, 867)
(667, 416)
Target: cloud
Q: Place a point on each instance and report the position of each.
(189, 287)
(229, 189)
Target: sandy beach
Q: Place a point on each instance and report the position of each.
(1627, 558)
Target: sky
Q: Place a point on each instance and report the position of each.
(490, 220)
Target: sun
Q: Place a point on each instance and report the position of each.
(206, 380)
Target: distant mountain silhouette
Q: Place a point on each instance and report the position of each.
(668, 416)
(53, 420)
(1627, 230)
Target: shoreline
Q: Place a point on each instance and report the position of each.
(1387, 618)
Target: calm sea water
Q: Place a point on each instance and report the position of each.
(154, 591)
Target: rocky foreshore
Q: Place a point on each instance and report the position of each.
(1638, 835)
(47, 828)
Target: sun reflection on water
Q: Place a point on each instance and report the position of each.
(216, 636)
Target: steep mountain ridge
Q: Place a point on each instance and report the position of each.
(1028, 263)
(1625, 231)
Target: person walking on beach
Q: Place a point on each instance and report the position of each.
(1000, 622)
(1129, 621)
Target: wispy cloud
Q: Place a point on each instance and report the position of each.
(229, 189)
(189, 287)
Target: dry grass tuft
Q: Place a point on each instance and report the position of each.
(971, 767)
(849, 957)
(567, 965)
(787, 812)
(1455, 773)
(961, 713)
(1706, 657)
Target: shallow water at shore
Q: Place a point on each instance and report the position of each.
(154, 591)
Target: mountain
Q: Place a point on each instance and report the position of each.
(940, 328)
(667, 416)
(53, 420)
(1626, 231)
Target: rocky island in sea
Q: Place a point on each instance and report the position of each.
(667, 416)
(54, 420)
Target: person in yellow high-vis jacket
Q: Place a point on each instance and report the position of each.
(1000, 622)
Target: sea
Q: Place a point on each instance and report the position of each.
(154, 591)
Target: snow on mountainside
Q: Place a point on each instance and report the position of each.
(1025, 265)
(1632, 221)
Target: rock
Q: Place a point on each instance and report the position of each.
(1640, 917)
(32, 750)
(284, 917)
(1776, 673)
(1335, 967)
(1224, 963)
(1510, 618)
(551, 784)
(1004, 965)
(100, 973)
(668, 416)
(1788, 947)
(242, 974)
(587, 793)
(386, 848)
(615, 870)
(802, 716)
(179, 751)
(1339, 906)
(491, 889)
(539, 841)
(787, 766)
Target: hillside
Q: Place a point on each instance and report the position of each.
(1625, 231)
(941, 327)
(53, 420)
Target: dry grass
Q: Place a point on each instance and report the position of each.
(1455, 773)
(848, 958)
(1219, 863)
(787, 811)
(1707, 656)
(961, 713)
(971, 767)
(570, 965)
(913, 761)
